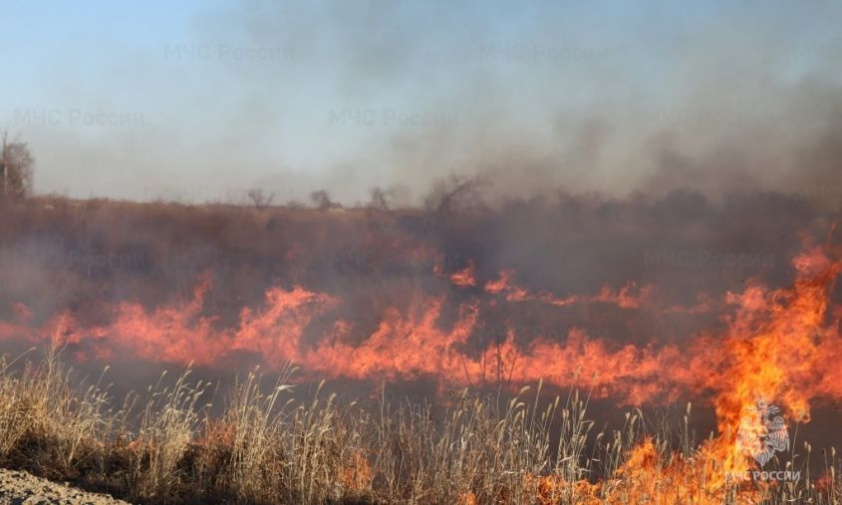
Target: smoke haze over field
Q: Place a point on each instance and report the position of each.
(205, 100)
(638, 201)
(618, 168)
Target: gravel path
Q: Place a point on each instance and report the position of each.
(21, 488)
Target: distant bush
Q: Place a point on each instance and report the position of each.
(16, 169)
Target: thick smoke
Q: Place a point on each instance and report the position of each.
(294, 97)
(544, 149)
(85, 257)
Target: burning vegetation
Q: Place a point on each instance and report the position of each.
(515, 321)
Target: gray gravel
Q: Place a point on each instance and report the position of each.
(21, 488)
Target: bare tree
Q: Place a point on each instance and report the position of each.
(321, 199)
(260, 199)
(455, 192)
(380, 199)
(16, 169)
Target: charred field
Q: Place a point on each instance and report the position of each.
(562, 349)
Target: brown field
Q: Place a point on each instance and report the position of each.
(163, 447)
(515, 344)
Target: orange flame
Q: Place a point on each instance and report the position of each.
(780, 346)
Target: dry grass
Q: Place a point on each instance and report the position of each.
(267, 447)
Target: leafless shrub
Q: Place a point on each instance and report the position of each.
(455, 193)
(381, 199)
(260, 199)
(321, 200)
(16, 169)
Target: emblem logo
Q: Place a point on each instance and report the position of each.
(761, 435)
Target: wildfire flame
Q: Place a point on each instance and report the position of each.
(780, 345)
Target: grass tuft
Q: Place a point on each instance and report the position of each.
(269, 447)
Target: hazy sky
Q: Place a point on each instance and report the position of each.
(203, 100)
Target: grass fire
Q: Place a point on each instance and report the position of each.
(416, 371)
(467, 252)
